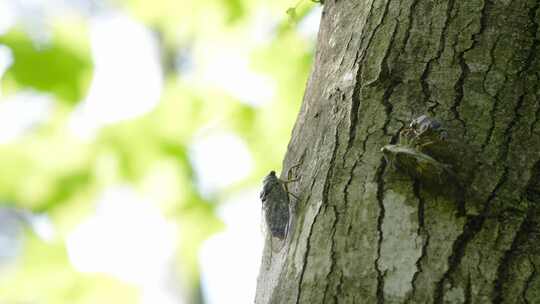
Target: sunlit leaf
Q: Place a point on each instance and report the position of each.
(291, 12)
(56, 67)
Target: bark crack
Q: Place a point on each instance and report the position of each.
(532, 191)
(508, 132)
(349, 181)
(356, 92)
(368, 18)
(492, 116)
(422, 231)
(339, 288)
(409, 26)
(380, 218)
(468, 291)
(465, 70)
(326, 190)
(459, 90)
(528, 282)
(537, 112)
(504, 267)
(304, 264)
(381, 21)
(425, 87)
(360, 54)
(491, 64)
(531, 57)
(471, 228)
(534, 31)
(388, 107)
(346, 49)
(332, 253)
(353, 116)
(308, 247)
(427, 70)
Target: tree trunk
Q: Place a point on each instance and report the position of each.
(365, 231)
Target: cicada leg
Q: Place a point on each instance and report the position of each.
(295, 197)
(290, 179)
(420, 146)
(405, 133)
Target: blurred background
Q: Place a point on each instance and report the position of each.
(134, 135)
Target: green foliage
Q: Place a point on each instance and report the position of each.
(49, 170)
(58, 67)
(299, 11)
(235, 10)
(43, 274)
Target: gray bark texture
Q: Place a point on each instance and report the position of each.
(362, 230)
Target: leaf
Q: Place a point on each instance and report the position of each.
(56, 68)
(291, 12)
(235, 10)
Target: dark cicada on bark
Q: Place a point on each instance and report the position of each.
(276, 204)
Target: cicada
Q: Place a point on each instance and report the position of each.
(276, 203)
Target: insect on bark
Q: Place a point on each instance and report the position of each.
(276, 203)
(410, 153)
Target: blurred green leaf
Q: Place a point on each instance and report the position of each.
(44, 275)
(291, 12)
(56, 68)
(48, 169)
(235, 10)
(64, 188)
(194, 233)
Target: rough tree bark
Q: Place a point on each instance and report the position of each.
(365, 232)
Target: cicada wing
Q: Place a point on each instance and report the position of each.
(263, 223)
